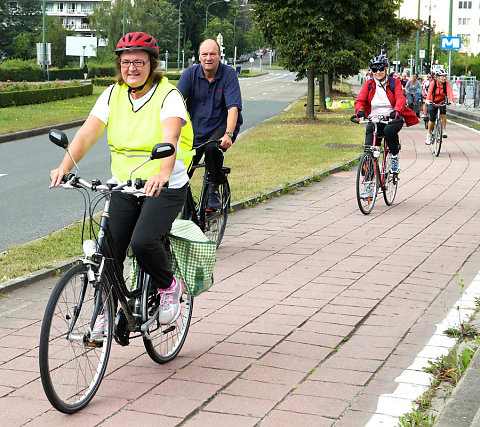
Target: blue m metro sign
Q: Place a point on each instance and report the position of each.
(450, 43)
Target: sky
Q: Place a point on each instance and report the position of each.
(439, 12)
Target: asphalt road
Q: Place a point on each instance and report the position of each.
(29, 210)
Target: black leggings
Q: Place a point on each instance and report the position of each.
(142, 222)
(390, 132)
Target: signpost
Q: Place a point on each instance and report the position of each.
(450, 43)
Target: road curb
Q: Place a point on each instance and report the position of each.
(39, 131)
(60, 267)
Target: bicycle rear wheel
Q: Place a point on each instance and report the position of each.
(367, 183)
(72, 367)
(438, 136)
(164, 342)
(215, 221)
(390, 181)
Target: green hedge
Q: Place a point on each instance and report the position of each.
(9, 99)
(19, 71)
(107, 81)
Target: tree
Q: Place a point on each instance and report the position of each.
(24, 16)
(56, 35)
(23, 46)
(326, 36)
(156, 17)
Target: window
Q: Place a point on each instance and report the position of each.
(86, 7)
(464, 4)
(60, 7)
(478, 38)
(48, 7)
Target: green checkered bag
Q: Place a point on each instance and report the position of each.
(192, 256)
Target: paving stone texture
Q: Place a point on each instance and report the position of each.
(317, 309)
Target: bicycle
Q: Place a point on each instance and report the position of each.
(374, 170)
(211, 221)
(73, 363)
(437, 135)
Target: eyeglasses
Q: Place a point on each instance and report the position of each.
(137, 63)
(377, 69)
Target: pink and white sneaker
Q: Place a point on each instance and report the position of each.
(170, 301)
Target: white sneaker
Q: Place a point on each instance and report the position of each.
(428, 141)
(444, 133)
(367, 193)
(170, 301)
(98, 329)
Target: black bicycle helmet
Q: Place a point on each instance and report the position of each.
(380, 60)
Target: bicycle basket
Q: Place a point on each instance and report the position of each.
(192, 256)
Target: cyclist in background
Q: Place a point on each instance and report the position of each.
(214, 101)
(439, 91)
(411, 90)
(382, 96)
(140, 110)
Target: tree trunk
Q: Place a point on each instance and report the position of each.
(328, 91)
(321, 92)
(310, 113)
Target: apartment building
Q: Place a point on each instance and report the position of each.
(465, 19)
(74, 14)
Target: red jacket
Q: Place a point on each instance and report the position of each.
(397, 99)
(439, 96)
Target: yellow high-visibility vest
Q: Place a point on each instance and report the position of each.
(132, 134)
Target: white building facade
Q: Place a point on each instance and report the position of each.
(74, 14)
(465, 19)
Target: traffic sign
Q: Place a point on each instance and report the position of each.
(449, 43)
(421, 54)
(395, 62)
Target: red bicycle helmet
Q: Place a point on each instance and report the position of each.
(137, 41)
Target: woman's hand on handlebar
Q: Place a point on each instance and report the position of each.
(154, 184)
(56, 176)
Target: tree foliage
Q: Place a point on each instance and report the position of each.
(327, 35)
(17, 19)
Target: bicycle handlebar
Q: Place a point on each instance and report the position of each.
(211, 141)
(385, 120)
(72, 181)
(442, 104)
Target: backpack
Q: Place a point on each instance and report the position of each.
(435, 88)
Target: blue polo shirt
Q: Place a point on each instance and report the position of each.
(208, 102)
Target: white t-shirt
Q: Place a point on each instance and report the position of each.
(173, 106)
(380, 104)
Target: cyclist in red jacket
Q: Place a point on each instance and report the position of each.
(438, 92)
(383, 96)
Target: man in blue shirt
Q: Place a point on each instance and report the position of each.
(214, 102)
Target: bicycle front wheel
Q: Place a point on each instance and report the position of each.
(367, 183)
(390, 181)
(72, 367)
(164, 342)
(438, 135)
(215, 220)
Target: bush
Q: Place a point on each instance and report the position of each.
(104, 81)
(25, 97)
(16, 70)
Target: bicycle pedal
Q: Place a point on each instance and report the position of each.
(94, 344)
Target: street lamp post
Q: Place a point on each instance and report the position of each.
(417, 45)
(44, 47)
(179, 27)
(124, 16)
(206, 12)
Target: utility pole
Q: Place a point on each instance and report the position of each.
(427, 62)
(450, 35)
(418, 41)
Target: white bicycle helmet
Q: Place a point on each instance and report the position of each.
(441, 72)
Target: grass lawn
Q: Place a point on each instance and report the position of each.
(277, 152)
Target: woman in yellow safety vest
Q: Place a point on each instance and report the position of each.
(139, 111)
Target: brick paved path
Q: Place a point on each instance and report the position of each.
(316, 308)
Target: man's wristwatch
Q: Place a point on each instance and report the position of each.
(230, 134)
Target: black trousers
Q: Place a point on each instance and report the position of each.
(390, 132)
(213, 158)
(142, 222)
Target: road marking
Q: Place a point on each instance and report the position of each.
(3, 174)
